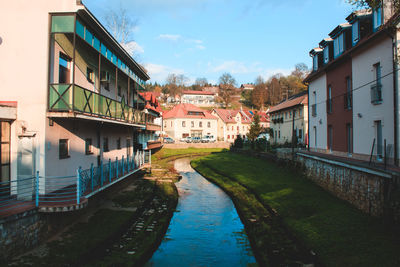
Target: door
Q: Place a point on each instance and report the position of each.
(5, 138)
(26, 168)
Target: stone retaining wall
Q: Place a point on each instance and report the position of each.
(20, 232)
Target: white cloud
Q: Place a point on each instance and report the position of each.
(169, 37)
(236, 67)
(200, 47)
(133, 48)
(158, 73)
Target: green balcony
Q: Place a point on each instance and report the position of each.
(73, 98)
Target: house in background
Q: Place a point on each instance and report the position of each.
(185, 120)
(247, 86)
(154, 121)
(81, 107)
(289, 119)
(353, 88)
(199, 98)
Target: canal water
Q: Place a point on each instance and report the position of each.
(205, 230)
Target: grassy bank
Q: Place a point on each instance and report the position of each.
(339, 234)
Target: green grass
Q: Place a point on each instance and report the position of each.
(340, 234)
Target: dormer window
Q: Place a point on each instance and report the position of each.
(355, 30)
(326, 55)
(338, 45)
(315, 62)
(377, 18)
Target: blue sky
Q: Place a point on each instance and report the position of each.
(205, 38)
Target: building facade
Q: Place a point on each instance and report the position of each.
(185, 120)
(81, 106)
(289, 120)
(198, 98)
(354, 88)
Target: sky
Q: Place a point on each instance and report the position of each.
(206, 38)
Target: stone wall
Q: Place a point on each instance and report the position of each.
(369, 190)
(19, 233)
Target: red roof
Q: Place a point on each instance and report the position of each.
(191, 92)
(8, 104)
(151, 101)
(228, 115)
(188, 111)
(301, 100)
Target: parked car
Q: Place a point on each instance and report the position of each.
(196, 139)
(263, 135)
(169, 140)
(186, 139)
(208, 139)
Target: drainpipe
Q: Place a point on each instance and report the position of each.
(395, 97)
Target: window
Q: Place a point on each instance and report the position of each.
(376, 88)
(329, 101)
(338, 45)
(285, 115)
(128, 147)
(192, 124)
(119, 143)
(237, 128)
(315, 136)
(209, 124)
(105, 144)
(183, 123)
(63, 70)
(5, 140)
(232, 128)
(228, 136)
(300, 133)
(326, 54)
(314, 106)
(315, 62)
(88, 146)
(89, 75)
(330, 137)
(119, 90)
(165, 125)
(279, 134)
(349, 136)
(378, 134)
(63, 148)
(348, 95)
(355, 31)
(377, 18)
(200, 124)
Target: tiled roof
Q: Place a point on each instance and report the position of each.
(151, 101)
(300, 100)
(188, 111)
(191, 92)
(228, 115)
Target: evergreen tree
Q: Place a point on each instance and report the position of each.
(255, 129)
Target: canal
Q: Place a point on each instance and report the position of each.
(205, 230)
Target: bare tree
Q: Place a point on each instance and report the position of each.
(121, 25)
(176, 83)
(201, 82)
(226, 88)
(259, 94)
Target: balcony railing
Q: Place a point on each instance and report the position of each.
(49, 193)
(314, 110)
(376, 93)
(71, 97)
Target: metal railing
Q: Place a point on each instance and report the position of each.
(71, 97)
(58, 191)
(376, 93)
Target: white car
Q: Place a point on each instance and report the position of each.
(187, 139)
(208, 139)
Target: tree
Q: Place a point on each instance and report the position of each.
(201, 82)
(176, 83)
(259, 94)
(255, 129)
(226, 88)
(375, 3)
(121, 26)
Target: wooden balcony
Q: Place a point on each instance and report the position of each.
(153, 127)
(154, 145)
(73, 99)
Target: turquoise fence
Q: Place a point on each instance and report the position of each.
(56, 191)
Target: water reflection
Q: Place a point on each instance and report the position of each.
(206, 229)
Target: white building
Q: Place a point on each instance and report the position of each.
(185, 120)
(199, 98)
